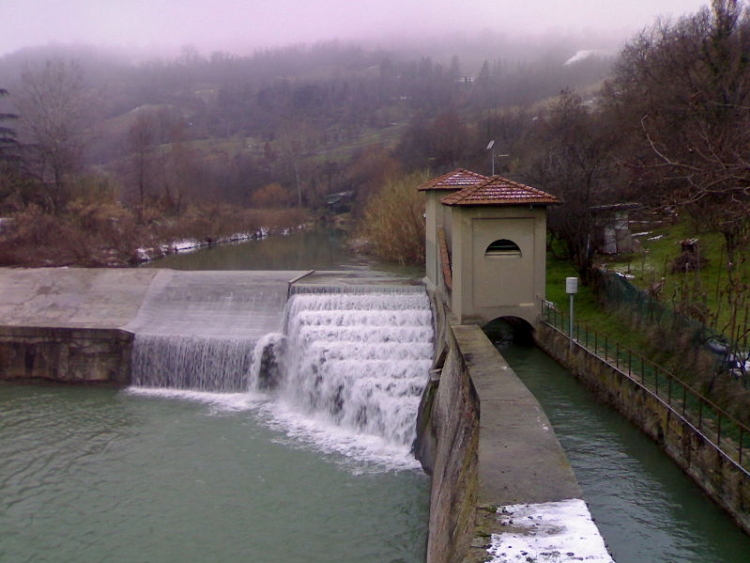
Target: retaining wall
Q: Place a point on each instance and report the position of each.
(69, 355)
(721, 479)
(486, 442)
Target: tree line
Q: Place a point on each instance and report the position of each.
(664, 123)
(308, 119)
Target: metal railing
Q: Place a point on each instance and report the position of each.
(729, 436)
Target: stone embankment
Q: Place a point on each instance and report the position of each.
(725, 481)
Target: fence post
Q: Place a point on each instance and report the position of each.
(684, 399)
(718, 432)
(669, 390)
(742, 437)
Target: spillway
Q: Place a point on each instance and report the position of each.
(351, 357)
(358, 359)
(198, 330)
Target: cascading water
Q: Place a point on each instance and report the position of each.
(357, 359)
(342, 366)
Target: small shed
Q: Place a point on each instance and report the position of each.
(435, 226)
(613, 225)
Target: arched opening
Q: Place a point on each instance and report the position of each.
(502, 247)
(505, 331)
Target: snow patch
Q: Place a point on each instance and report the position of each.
(555, 531)
(581, 55)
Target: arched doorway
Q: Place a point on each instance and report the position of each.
(504, 331)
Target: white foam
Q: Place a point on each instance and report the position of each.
(362, 452)
(221, 402)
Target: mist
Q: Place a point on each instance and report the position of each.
(162, 27)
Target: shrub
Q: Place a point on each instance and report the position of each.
(394, 221)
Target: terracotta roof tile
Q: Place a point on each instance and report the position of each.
(499, 191)
(455, 180)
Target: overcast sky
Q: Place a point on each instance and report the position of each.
(241, 25)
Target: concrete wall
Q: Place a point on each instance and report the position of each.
(71, 355)
(486, 442)
(449, 446)
(722, 480)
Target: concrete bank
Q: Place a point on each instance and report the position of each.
(492, 452)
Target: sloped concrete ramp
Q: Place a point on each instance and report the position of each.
(71, 297)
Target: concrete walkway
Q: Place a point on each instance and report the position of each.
(530, 505)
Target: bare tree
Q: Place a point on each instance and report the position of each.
(570, 155)
(683, 90)
(8, 140)
(141, 143)
(53, 109)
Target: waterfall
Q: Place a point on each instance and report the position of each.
(343, 361)
(357, 358)
(199, 330)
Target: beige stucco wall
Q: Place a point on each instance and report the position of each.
(431, 242)
(488, 287)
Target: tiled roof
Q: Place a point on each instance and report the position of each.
(499, 191)
(455, 180)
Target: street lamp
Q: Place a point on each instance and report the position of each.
(571, 288)
(489, 148)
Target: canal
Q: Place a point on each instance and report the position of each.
(646, 509)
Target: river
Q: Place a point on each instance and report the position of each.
(163, 475)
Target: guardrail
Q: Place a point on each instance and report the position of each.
(722, 431)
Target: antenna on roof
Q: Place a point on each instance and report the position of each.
(489, 148)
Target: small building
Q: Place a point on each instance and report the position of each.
(613, 227)
(486, 245)
(435, 214)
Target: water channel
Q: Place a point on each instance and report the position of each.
(93, 474)
(646, 509)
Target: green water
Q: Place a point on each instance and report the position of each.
(101, 475)
(324, 249)
(304, 250)
(646, 509)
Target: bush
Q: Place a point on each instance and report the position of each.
(394, 221)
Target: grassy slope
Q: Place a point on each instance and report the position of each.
(648, 266)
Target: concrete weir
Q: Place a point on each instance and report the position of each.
(77, 325)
